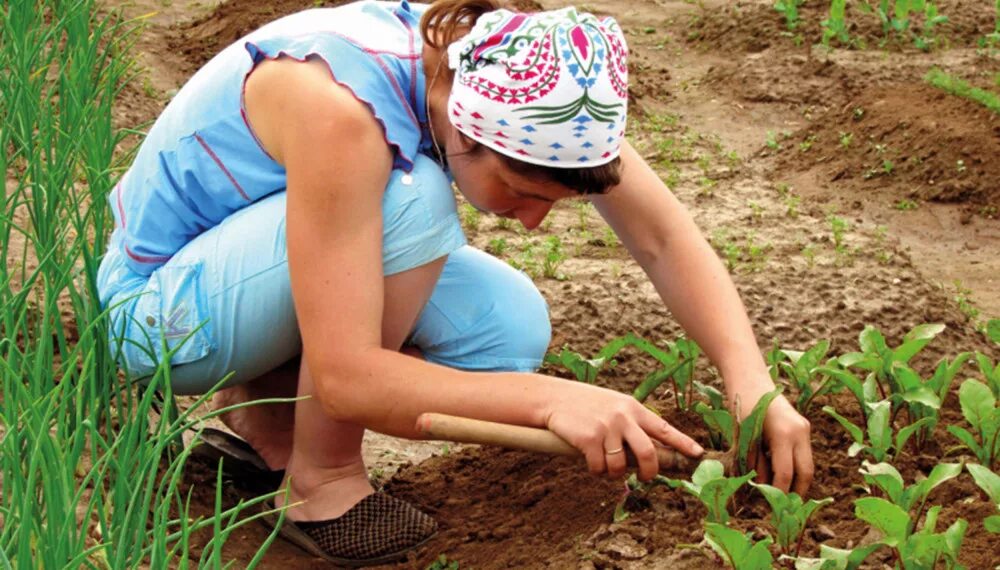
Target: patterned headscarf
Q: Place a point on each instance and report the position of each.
(549, 88)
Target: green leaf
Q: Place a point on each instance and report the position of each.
(976, 400)
(915, 341)
(907, 432)
(987, 480)
(922, 395)
(993, 330)
(752, 426)
(872, 342)
(966, 438)
(738, 549)
(706, 471)
(852, 559)
(945, 373)
(992, 524)
(856, 434)
(879, 431)
(891, 520)
(885, 477)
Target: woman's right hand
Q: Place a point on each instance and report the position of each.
(598, 421)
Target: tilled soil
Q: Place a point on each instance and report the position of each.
(746, 124)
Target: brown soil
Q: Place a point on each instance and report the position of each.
(708, 85)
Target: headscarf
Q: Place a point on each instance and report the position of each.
(549, 88)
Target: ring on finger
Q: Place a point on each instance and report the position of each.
(614, 451)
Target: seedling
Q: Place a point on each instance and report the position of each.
(584, 369)
(710, 484)
(470, 216)
(552, 258)
(772, 141)
(979, 406)
(803, 372)
(836, 558)
(716, 417)
(989, 482)
(742, 437)
(835, 26)
(738, 550)
(991, 372)
(879, 443)
(913, 498)
(790, 10)
(923, 549)
(789, 515)
(846, 139)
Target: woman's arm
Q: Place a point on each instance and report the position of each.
(338, 165)
(661, 235)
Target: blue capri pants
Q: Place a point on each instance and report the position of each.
(223, 303)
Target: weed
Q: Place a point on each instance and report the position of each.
(504, 223)
(498, 246)
(960, 88)
(809, 253)
(965, 303)
(756, 210)
(772, 141)
(471, 217)
(792, 205)
(846, 139)
(807, 144)
(905, 204)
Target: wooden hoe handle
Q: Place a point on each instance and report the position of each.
(466, 430)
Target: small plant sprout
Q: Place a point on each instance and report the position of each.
(922, 549)
(584, 369)
(789, 515)
(552, 258)
(772, 141)
(710, 484)
(839, 227)
(470, 216)
(803, 372)
(846, 139)
(807, 144)
(913, 498)
(836, 558)
(742, 437)
(989, 482)
(906, 204)
(979, 406)
(738, 550)
(835, 25)
(879, 443)
(790, 10)
(716, 417)
(991, 373)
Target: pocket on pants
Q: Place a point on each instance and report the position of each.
(167, 318)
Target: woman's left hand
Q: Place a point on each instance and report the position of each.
(784, 458)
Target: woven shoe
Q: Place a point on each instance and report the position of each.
(377, 530)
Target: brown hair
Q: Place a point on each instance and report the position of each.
(450, 19)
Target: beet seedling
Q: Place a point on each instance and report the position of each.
(836, 558)
(789, 515)
(991, 372)
(739, 550)
(913, 550)
(710, 484)
(989, 482)
(913, 498)
(979, 406)
(585, 369)
(880, 443)
(803, 372)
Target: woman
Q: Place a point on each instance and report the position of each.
(295, 166)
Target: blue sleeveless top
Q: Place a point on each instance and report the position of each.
(201, 160)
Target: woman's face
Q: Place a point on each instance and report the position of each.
(490, 186)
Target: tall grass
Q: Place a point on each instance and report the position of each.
(90, 475)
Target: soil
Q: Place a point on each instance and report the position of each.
(746, 122)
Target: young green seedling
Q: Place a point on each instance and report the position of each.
(989, 482)
(913, 498)
(876, 355)
(585, 369)
(880, 443)
(710, 484)
(979, 406)
(740, 437)
(790, 10)
(835, 25)
(789, 515)
(990, 371)
(738, 550)
(716, 417)
(913, 550)
(836, 558)
(803, 372)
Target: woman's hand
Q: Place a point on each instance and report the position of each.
(784, 458)
(601, 423)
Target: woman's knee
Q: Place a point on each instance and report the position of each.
(483, 315)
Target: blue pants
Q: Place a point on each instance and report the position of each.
(223, 303)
